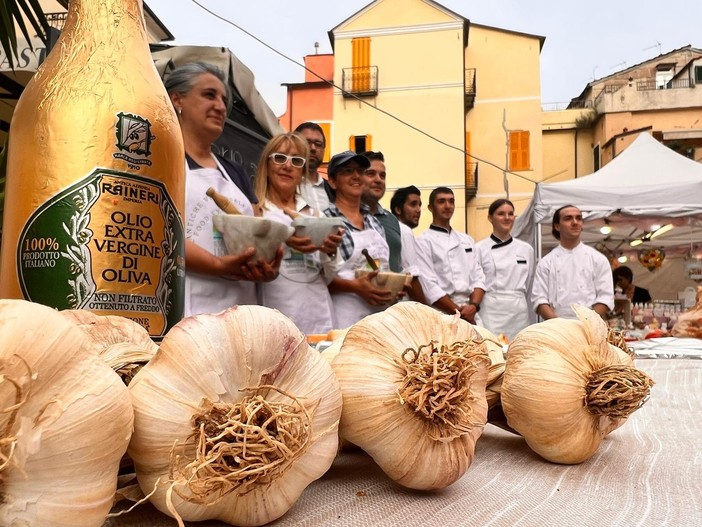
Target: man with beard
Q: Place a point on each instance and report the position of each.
(373, 193)
(572, 273)
(313, 188)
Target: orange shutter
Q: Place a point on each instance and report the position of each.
(360, 48)
(519, 158)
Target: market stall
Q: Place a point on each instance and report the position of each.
(646, 202)
(646, 473)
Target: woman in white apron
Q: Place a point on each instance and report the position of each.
(354, 298)
(300, 290)
(508, 265)
(214, 280)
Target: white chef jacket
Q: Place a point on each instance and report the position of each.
(300, 290)
(454, 260)
(314, 194)
(509, 271)
(578, 276)
(415, 262)
(205, 293)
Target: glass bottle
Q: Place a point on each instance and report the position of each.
(95, 177)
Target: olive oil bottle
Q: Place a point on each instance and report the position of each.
(95, 177)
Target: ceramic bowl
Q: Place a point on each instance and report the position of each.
(393, 282)
(241, 231)
(316, 228)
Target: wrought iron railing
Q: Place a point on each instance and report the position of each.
(470, 87)
(360, 82)
(653, 84)
(471, 179)
(56, 20)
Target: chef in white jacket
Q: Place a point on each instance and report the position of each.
(572, 273)
(508, 265)
(453, 256)
(406, 205)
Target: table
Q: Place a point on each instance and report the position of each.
(648, 473)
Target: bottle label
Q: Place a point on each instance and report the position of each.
(112, 243)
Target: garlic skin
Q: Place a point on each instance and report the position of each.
(497, 365)
(122, 343)
(550, 386)
(414, 450)
(71, 426)
(205, 362)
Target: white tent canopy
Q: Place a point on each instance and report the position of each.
(647, 184)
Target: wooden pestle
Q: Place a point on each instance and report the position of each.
(222, 201)
(369, 259)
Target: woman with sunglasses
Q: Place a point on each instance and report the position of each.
(214, 280)
(363, 240)
(300, 291)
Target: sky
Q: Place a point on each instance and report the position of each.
(584, 41)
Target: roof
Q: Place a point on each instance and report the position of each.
(647, 181)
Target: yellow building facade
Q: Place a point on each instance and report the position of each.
(448, 102)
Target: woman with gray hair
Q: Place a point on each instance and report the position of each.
(214, 280)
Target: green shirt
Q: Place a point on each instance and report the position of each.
(392, 236)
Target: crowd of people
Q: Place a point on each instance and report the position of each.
(496, 282)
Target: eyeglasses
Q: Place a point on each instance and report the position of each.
(315, 143)
(348, 171)
(281, 159)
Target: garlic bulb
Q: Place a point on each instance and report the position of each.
(234, 416)
(65, 423)
(122, 343)
(413, 382)
(565, 387)
(497, 365)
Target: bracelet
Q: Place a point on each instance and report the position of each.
(476, 305)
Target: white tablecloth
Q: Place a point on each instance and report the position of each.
(648, 473)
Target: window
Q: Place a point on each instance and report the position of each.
(470, 165)
(596, 157)
(360, 60)
(360, 143)
(664, 74)
(519, 151)
(698, 74)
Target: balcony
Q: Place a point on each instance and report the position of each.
(470, 89)
(654, 84)
(56, 20)
(360, 82)
(471, 180)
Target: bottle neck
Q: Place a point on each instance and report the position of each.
(96, 19)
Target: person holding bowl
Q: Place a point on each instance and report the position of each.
(363, 242)
(214, 280)
(306, 268)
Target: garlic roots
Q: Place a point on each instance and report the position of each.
(234, 416)
(413, 383)
(566, 387)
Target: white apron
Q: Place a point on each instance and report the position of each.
(349, 308)
(506, 310)
(204, 293)
(300, 291)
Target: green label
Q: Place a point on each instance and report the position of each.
(112, 243)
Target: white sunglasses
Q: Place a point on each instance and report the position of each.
(281, 159)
